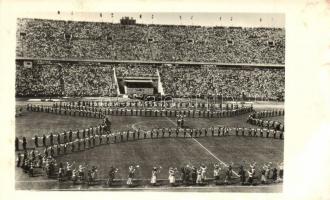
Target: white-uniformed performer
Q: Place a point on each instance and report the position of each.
(171, 176)
(199, 176)
(216, 172)
(154, 173)
(74, 175)
(203, 168)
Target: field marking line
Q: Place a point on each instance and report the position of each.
(214, 156)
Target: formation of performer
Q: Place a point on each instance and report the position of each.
(93, 136)
(256, 119)
(70, 141)
(34, 161)
(147, 104)
(101, 112)
(92, 112)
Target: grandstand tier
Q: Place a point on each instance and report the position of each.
(111, 79)
(40, 38)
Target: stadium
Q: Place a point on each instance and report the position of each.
(149, 107)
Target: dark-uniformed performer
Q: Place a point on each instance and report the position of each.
(51, 138)
(24, 143)
(100, 139)
(196, 132)
(242, 175)
(152, 133)
(191, 132)
(93, 139)
(107, 136)
(36, 141)
(84, 133)
(134, 134)
(138, 134)
(19, 160)
(58, 149)
(131, 174)
(58, 138)
(121, 137)
(16, 144)
(111, 175)
(70, 136)
(52, 151)
(157, 133)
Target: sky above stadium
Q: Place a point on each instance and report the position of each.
(176, 18)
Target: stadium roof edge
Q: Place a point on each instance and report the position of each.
(149, 62)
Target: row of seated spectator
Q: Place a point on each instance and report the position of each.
(69, 80)
(96, 79)
(39, 80)
(230, 82)
(88, 80)
(135, 70)
(67, 39)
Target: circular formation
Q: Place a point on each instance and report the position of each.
(68, 142)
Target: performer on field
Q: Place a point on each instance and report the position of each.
(154, 173)
(131, 174)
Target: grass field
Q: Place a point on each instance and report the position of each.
(166, 152)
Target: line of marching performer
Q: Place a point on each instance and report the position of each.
(247, 174)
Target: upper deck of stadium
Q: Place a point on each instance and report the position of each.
(103, 41)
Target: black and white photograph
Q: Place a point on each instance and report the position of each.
(150, 101)
(142, 99)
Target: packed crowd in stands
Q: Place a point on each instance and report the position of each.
(40, 80)
(187, 81)
(94, 40)
(98, 80)
(135, 70)
(69, 80)
(88, 80)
